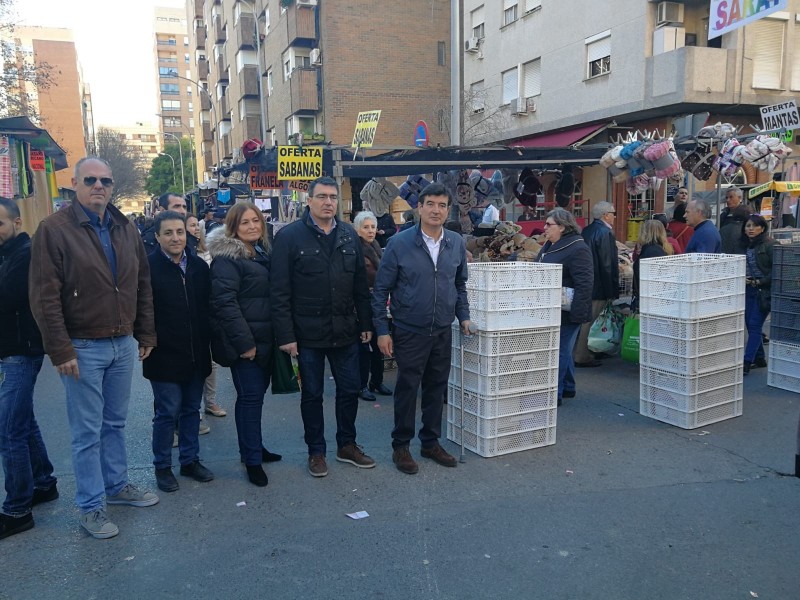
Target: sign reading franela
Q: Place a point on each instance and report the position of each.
(366, 128)
(263, 180)
(727, 15)
(780, 116)
(295, 162)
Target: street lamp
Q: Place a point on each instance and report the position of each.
(191, 143)
(260, 75)
(180, 154)
(174, 181)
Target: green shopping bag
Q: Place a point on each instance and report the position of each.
(284, 380)
(630, 339)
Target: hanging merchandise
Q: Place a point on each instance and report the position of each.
(481, 185)
(527, 188)
(6, 188)
(765, 153)
(379, 193)
(565, 186)
(497, 193)
(412, 188)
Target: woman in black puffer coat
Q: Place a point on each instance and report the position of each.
(565, 246)
(241, 326)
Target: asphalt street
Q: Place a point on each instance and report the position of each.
(621, 507)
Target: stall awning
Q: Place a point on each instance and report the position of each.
(793, 187)
(570, 137)
(24, 129)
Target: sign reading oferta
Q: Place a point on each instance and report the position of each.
(727, 15)
(295, 162)
(366, 128)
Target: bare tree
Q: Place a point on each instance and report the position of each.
(127, 163)
(480, 123)
(21, 78)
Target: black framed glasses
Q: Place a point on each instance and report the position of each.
(548, 224)
(90, 181)
(331, 197)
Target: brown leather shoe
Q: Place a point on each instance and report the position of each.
(440, 455)
(402, 458)
(317, 466)
(353, 454)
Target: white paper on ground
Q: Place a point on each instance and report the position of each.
(362, 514)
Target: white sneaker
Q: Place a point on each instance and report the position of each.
(130, 495)
(98, 525)
(204, 429)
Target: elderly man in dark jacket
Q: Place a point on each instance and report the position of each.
(599, 236)
(320, 304)
(180, 363)
(27, 469)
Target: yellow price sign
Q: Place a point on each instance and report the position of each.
(366, 128)
(296, 163)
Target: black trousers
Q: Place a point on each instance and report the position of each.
(371, 362)
(421, 360)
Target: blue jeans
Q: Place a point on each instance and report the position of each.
(754, 322)
(566, 364)
(251, 382)
(176, 402)
(25, 462)
(97, 408)
(345, 370)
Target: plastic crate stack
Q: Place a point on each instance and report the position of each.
(510, 370)
(691, 338)
(784, 334)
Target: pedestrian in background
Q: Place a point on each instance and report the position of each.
(732, 233)
(27, 470)
(90, 308)
(175, 203)
(760, 248)
(566, 247)
(680, 231)
(733, 199)
(681, 198)
(705, 239)
(652, 243)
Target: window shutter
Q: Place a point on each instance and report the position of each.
(796, 60)
(508, 4)
(767, 52)
(477, 16)
(598, 49)
(510, 85)
(531, 4)
(532, 74)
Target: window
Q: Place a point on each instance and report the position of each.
(185, 41)
(249, 107)
(172, 121)
(796, 60)
(191, 107)
(170, 105)
(532, 5)
(598, 54)
(477, 20)
(191, 122)
(266, 21)
(167, 72)
(186, 58)
(509, 12)
(270, 83)
(532, 78)
(287, 66)
(510, 85)
(441, 53)
(295, 58)
(188, 73)
(168, 57)
(477, 99)
(244, 58)
(169, 89)
(767, 53)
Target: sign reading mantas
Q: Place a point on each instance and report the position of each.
(366, 128)
(263, 180)
(780, 116)
(727, 15)
(295, 163)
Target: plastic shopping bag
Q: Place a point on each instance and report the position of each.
(284, 378)
(630, 339)
(606, 332)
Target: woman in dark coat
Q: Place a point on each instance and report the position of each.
(733, 242)
(565, 246)
(371, 359)
(679, 229)
(242, 337)
(652, 243)
(759, 287)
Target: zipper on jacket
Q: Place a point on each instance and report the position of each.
(188, 309)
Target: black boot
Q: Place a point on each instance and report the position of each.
(267, 456)
(11, 525)
(257, 476)
(797, 465)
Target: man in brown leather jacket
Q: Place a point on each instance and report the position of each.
(90, 295)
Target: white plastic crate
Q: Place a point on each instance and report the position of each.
(513, 275)
(518, 299)
(691, 420)
(505, 444)
(499, 406)
(499, 426)
(506, 363)
(691, 268)
(692, 348)
(782, 381)
(784, 364)
(684, 302)
(492, 343)
(492, 385)
(786, 352)
(684, 384)
(690, 402)
(690, 330)
(691, 365)
(526, 318)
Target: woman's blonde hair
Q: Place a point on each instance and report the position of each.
(653, 232)
(235, 216)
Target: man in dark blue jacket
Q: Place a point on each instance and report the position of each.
(320, 309)
(424, 270)
(180, 363)
(706, 238)
(28, 472)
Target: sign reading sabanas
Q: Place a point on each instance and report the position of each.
(295, 163)
(366, 128)
(727, 15)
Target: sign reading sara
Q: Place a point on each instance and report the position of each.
(295, 162)
(727, 15)
(366, 127)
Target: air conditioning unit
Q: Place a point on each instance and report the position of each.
(669, 12)
(531, 104)
(519, 106)
(306, 2)
(315, 56)
(472, 44)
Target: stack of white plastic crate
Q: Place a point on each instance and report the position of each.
(784, 334)
(510, 371)
(691, 338)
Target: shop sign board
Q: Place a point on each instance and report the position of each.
(366, 128)
(299, 185)
(263, 180)
(37, 162)
(299, 163)
(727, 15)
(780, 116)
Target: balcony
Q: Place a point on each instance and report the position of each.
(207, 137)
(205, 102)
(226, 146)
(222, 68)
(245, 32)
(251, 127)
(248, 81)
(301, 26)
(198, 8)
(202, 68)
(219, 30)
(207, 159)
(200, 36)
(224, 109)
(303, 86)
(691, 74)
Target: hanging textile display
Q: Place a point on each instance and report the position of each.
(6, 188)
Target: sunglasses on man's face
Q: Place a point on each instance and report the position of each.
(90, 181)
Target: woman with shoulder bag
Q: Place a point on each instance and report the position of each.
(759, 287)
(565, 246)
(242, 337)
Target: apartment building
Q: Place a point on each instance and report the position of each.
(147, 139)
(320, 64)
(546, 73)
(175, 106)
(59, 106)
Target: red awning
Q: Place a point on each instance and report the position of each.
(560, 139)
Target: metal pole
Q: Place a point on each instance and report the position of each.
(214, 116)
(455, 74)
(174, 180)
(180, 154)
(261, 114)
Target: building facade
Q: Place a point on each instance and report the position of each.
(176, 95)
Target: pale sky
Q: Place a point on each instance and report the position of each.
(114, 41)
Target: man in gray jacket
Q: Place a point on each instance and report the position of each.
(424, 269)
